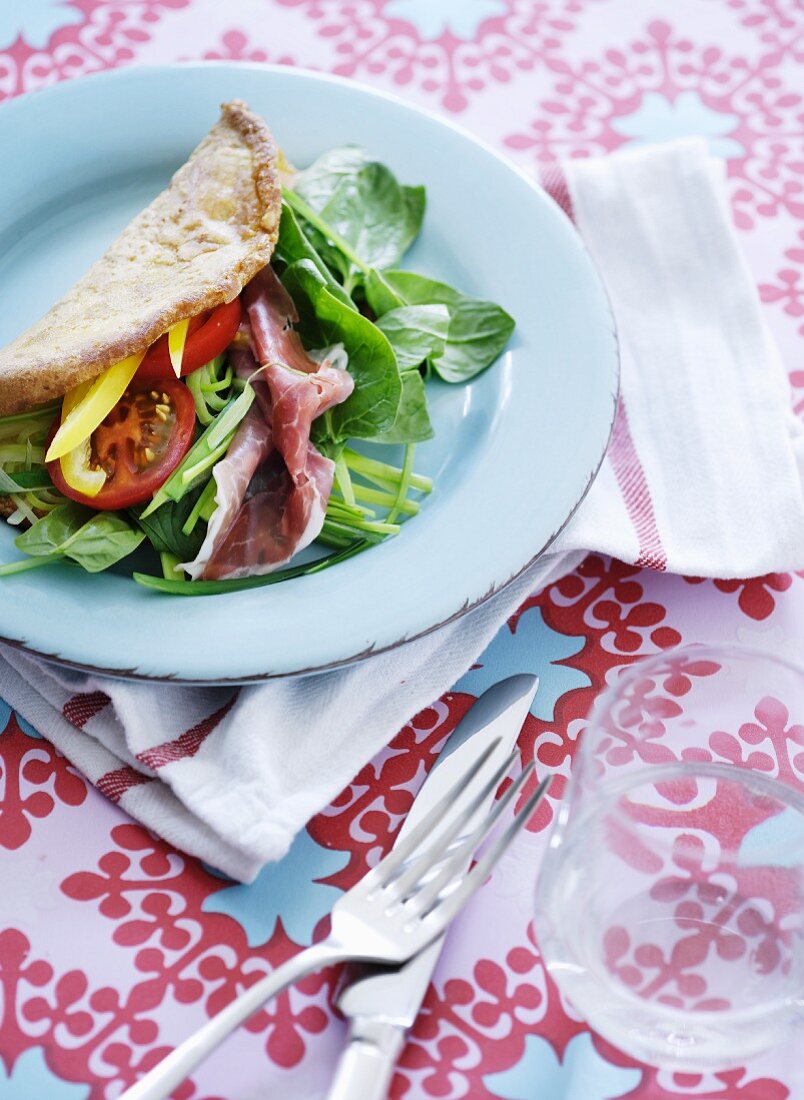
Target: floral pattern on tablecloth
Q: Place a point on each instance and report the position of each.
(113, 946)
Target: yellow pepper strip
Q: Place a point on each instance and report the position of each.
(177, 337)
(77, 472)
(89, 407)
(74, 397)
(75, 467)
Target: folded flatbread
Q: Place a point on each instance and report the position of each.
(195, 247)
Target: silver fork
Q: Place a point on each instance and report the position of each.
(397, 909)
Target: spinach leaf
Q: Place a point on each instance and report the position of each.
(373, 404)
(420, 290)
(478, 333)
(374, 220)
(369, 212)
(49, 533)
(362, 201)
(95, 540)
(294, 244)
(380, 295)
(415, 332)
(415, 202)
(317, 183)
(104, 539)
(163, 528)
(478, 329)
(412, 424)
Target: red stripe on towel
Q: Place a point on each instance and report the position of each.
(80, 708)
(187, 744)
(622, 453)
(115, 784)
(634, 487)
(555, 184)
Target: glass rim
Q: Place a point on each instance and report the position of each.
(611, 796)
(702, 650)
(634, 671)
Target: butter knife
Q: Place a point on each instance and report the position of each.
(382, 1004)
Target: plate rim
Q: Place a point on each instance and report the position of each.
(298, 72)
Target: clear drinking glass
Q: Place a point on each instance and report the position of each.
(670, 906)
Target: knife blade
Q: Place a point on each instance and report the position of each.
(382, 1004)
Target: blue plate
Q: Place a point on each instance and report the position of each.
(514, 452)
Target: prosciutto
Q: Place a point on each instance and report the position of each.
(273, 484)
(251, 446)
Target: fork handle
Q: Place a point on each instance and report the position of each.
(172, 1070)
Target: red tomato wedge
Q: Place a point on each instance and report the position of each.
(208, 335)
(138, 445)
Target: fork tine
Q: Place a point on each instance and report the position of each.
(425, 898)
(430, 856)
(446, 910)
(378, 876)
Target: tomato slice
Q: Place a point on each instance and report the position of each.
(208, 335)
(138, 445)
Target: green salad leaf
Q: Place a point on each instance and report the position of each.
(415, 333)
(51, 532)
(363, 202)
(415, 203)
(369, 212)
(373, 404)
(412, 423)
(95, 540)
(294, 244)
(317, 183)
(380, 295)
(359, 221)
(478, 329)
(163, 528)
(106, 538)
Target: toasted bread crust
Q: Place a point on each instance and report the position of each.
(193, 248)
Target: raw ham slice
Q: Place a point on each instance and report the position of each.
(271, 315)
(248, 450)
(270, 511)
(277, 521)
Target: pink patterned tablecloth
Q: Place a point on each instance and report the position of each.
(112, 945)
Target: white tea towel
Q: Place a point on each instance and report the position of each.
(703, 476)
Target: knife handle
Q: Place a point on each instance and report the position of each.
(366, 1067)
